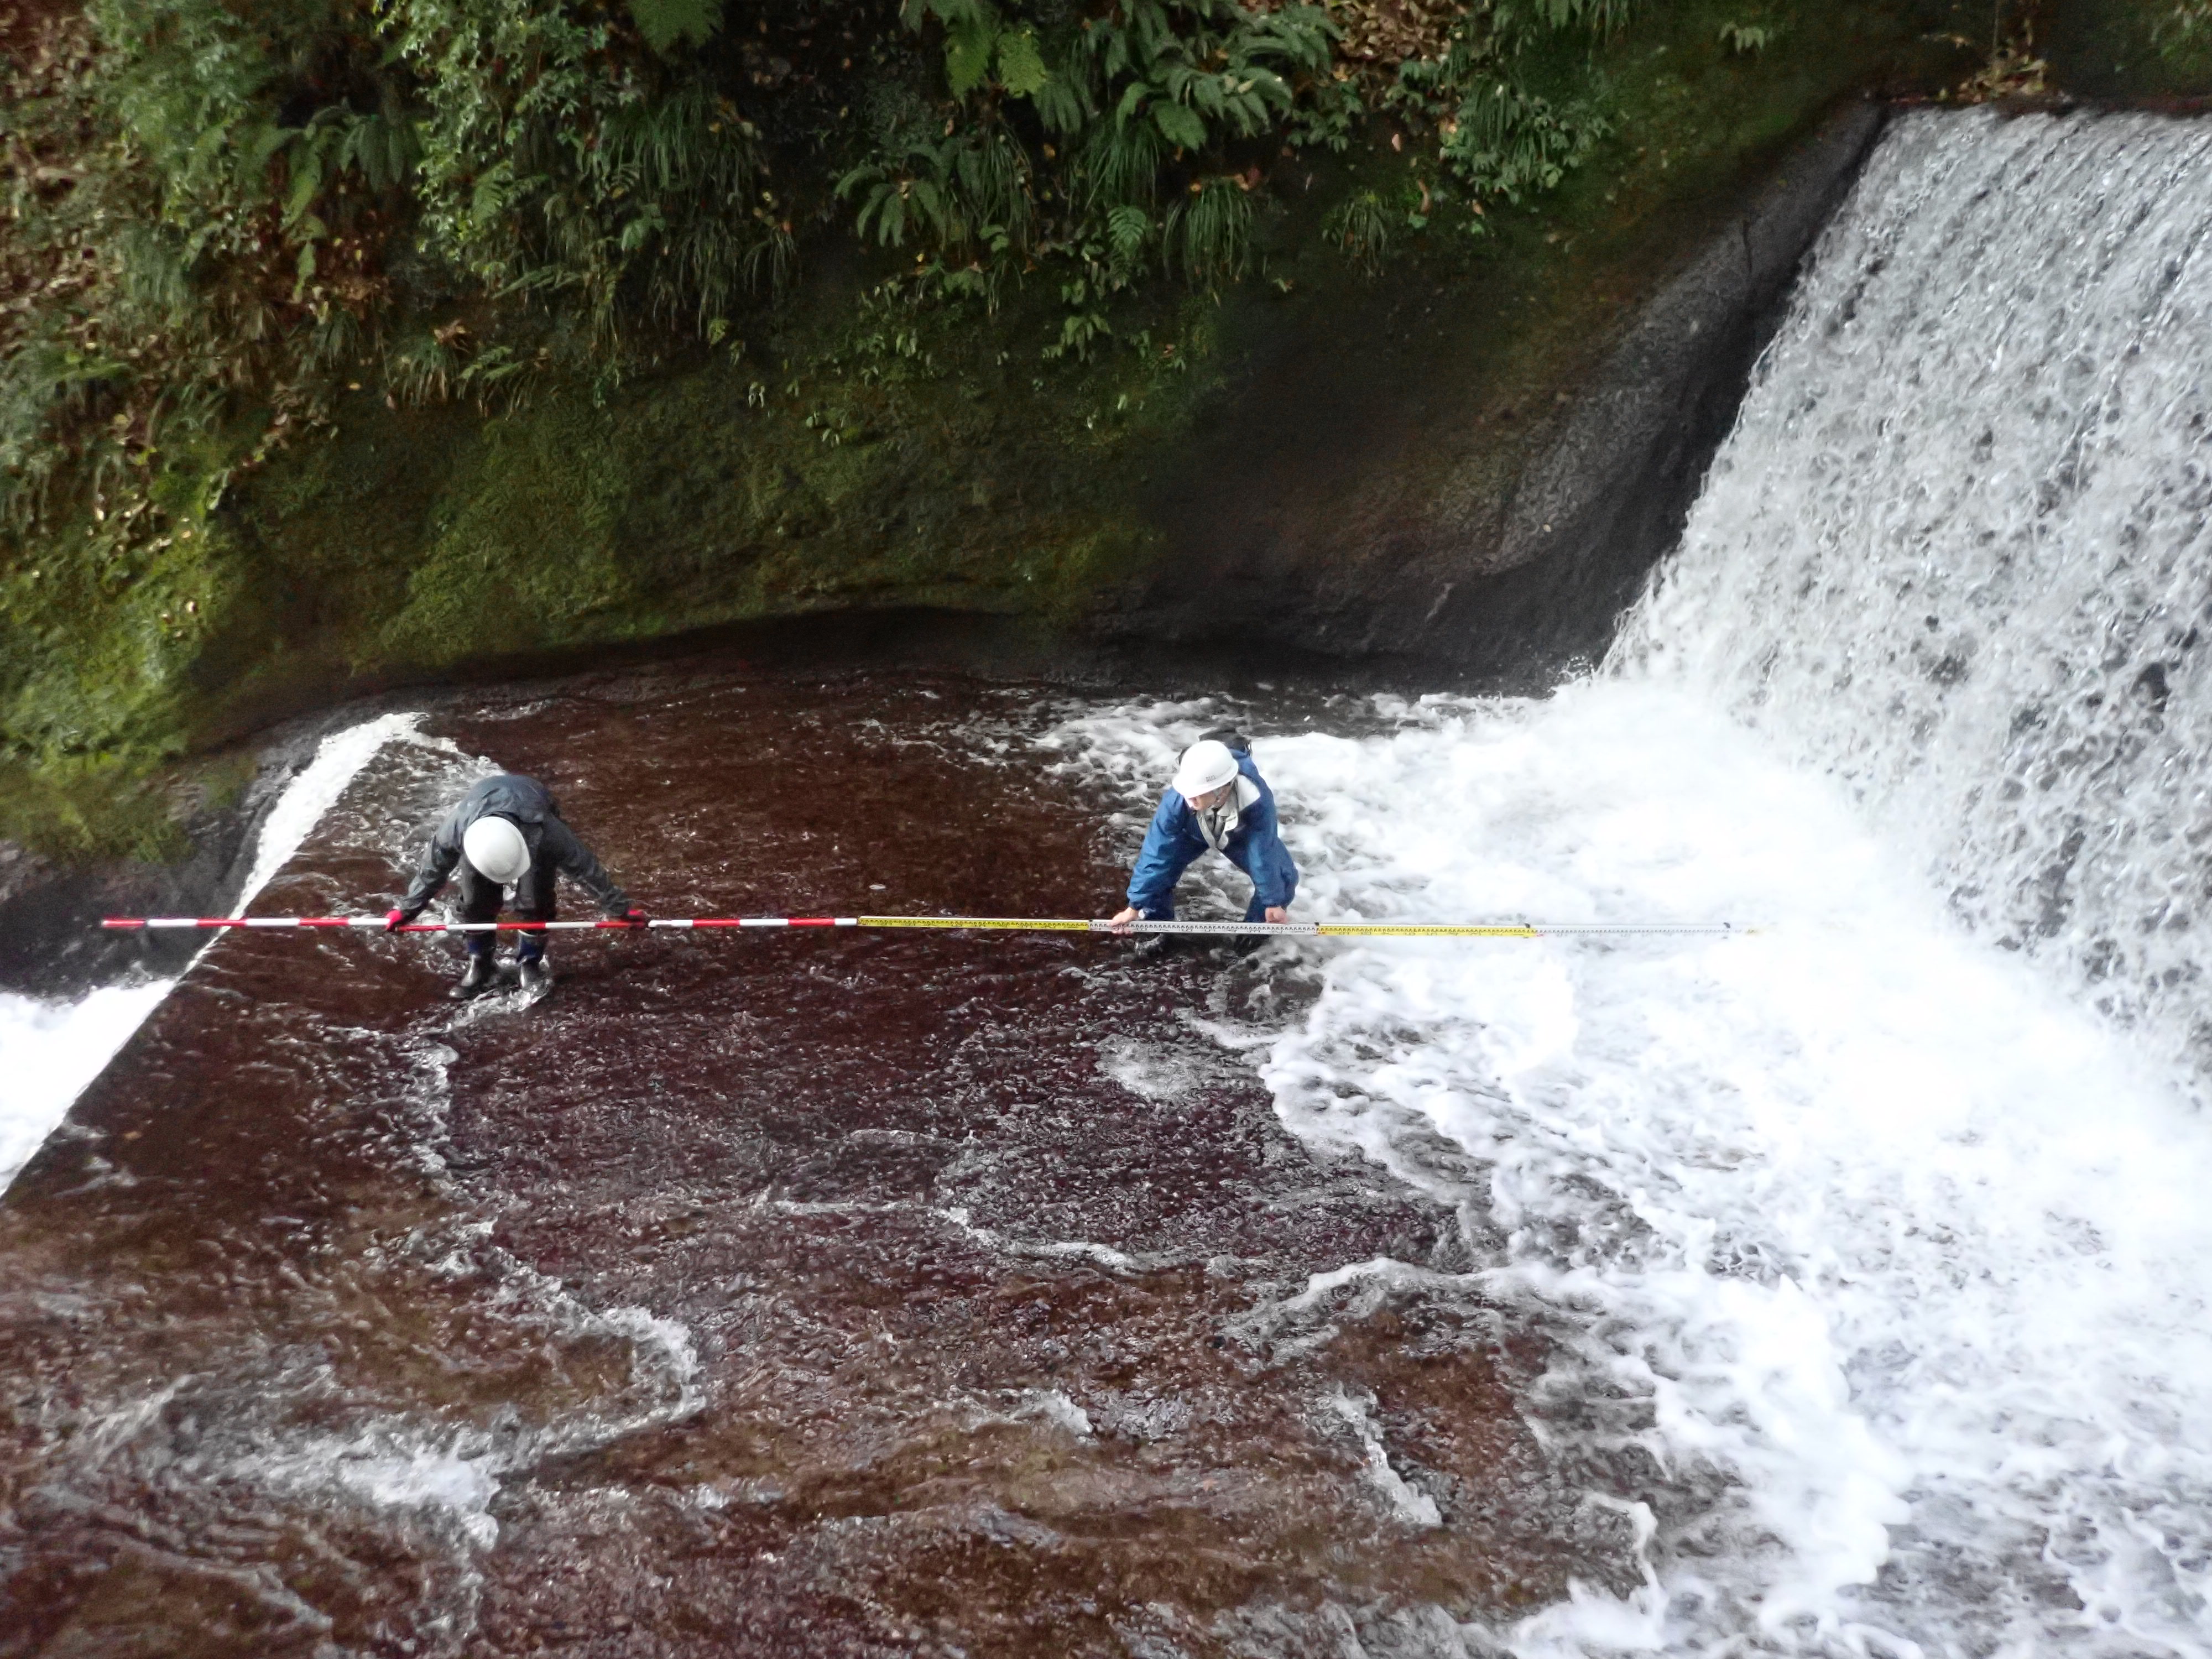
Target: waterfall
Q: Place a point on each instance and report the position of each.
(1853, 1268)
(1869, 1251)
(53, 1050)
(1957, 551)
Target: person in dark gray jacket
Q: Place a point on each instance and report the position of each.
(508, 832)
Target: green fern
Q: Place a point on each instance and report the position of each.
(1498, 138)
(1510, 142)
(543, 175)
(969, 192)
(1129, 232)
(1103, 114)
(216, 234)
(1361, 228)
(1207, 236)
(1120, 163)
(1520, 19)
(665, 23)
(2182, 28)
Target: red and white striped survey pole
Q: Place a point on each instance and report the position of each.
(956, 924)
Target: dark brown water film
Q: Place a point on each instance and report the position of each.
(780, 1295)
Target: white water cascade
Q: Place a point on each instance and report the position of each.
(52, 1051)
(1958, 553)
(1874, 1250)
(1957, 557)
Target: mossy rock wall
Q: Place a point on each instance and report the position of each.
(1464, 461)
(408, 544)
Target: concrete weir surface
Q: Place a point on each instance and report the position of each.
(750, 1294)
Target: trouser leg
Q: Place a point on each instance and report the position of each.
(480, 902)
(1255, 911)
(533, 902)
(1160, 946)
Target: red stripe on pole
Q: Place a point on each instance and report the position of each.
(376, 924)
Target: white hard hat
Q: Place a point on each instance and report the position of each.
(1207, 765)
(497, 850)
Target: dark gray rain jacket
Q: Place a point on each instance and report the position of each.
(531, 805)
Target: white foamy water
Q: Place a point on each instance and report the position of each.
(338, 760)
(1887, 1253)
(1875, 1246)
(50, 1052)
(1958, 552)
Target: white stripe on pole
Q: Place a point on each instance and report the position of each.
(996, 924)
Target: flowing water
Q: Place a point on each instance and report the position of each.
(1836, 1289)
(769, 1295)
(1958, 553)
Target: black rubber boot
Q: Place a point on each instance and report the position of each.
(534, 973)
(478, 976)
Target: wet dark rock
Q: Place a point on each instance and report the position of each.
(826, 1294)
(1390, 521)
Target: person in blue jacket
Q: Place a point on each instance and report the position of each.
(1219, 800)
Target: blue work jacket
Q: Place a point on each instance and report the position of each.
(1174, 841)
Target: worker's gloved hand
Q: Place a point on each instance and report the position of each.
(633, 916)
(400, 916)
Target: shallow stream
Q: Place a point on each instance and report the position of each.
(795, 1293)
(1836, 1288)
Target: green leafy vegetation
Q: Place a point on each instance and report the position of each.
(220, 217)
(2123, 49)
(1499, 137)
(331, 328)
(559, 168)
(1114, 143)
(2183, 29)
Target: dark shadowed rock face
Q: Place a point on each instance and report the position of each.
(51, 942)
(817, 1294)
(1365, 498)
